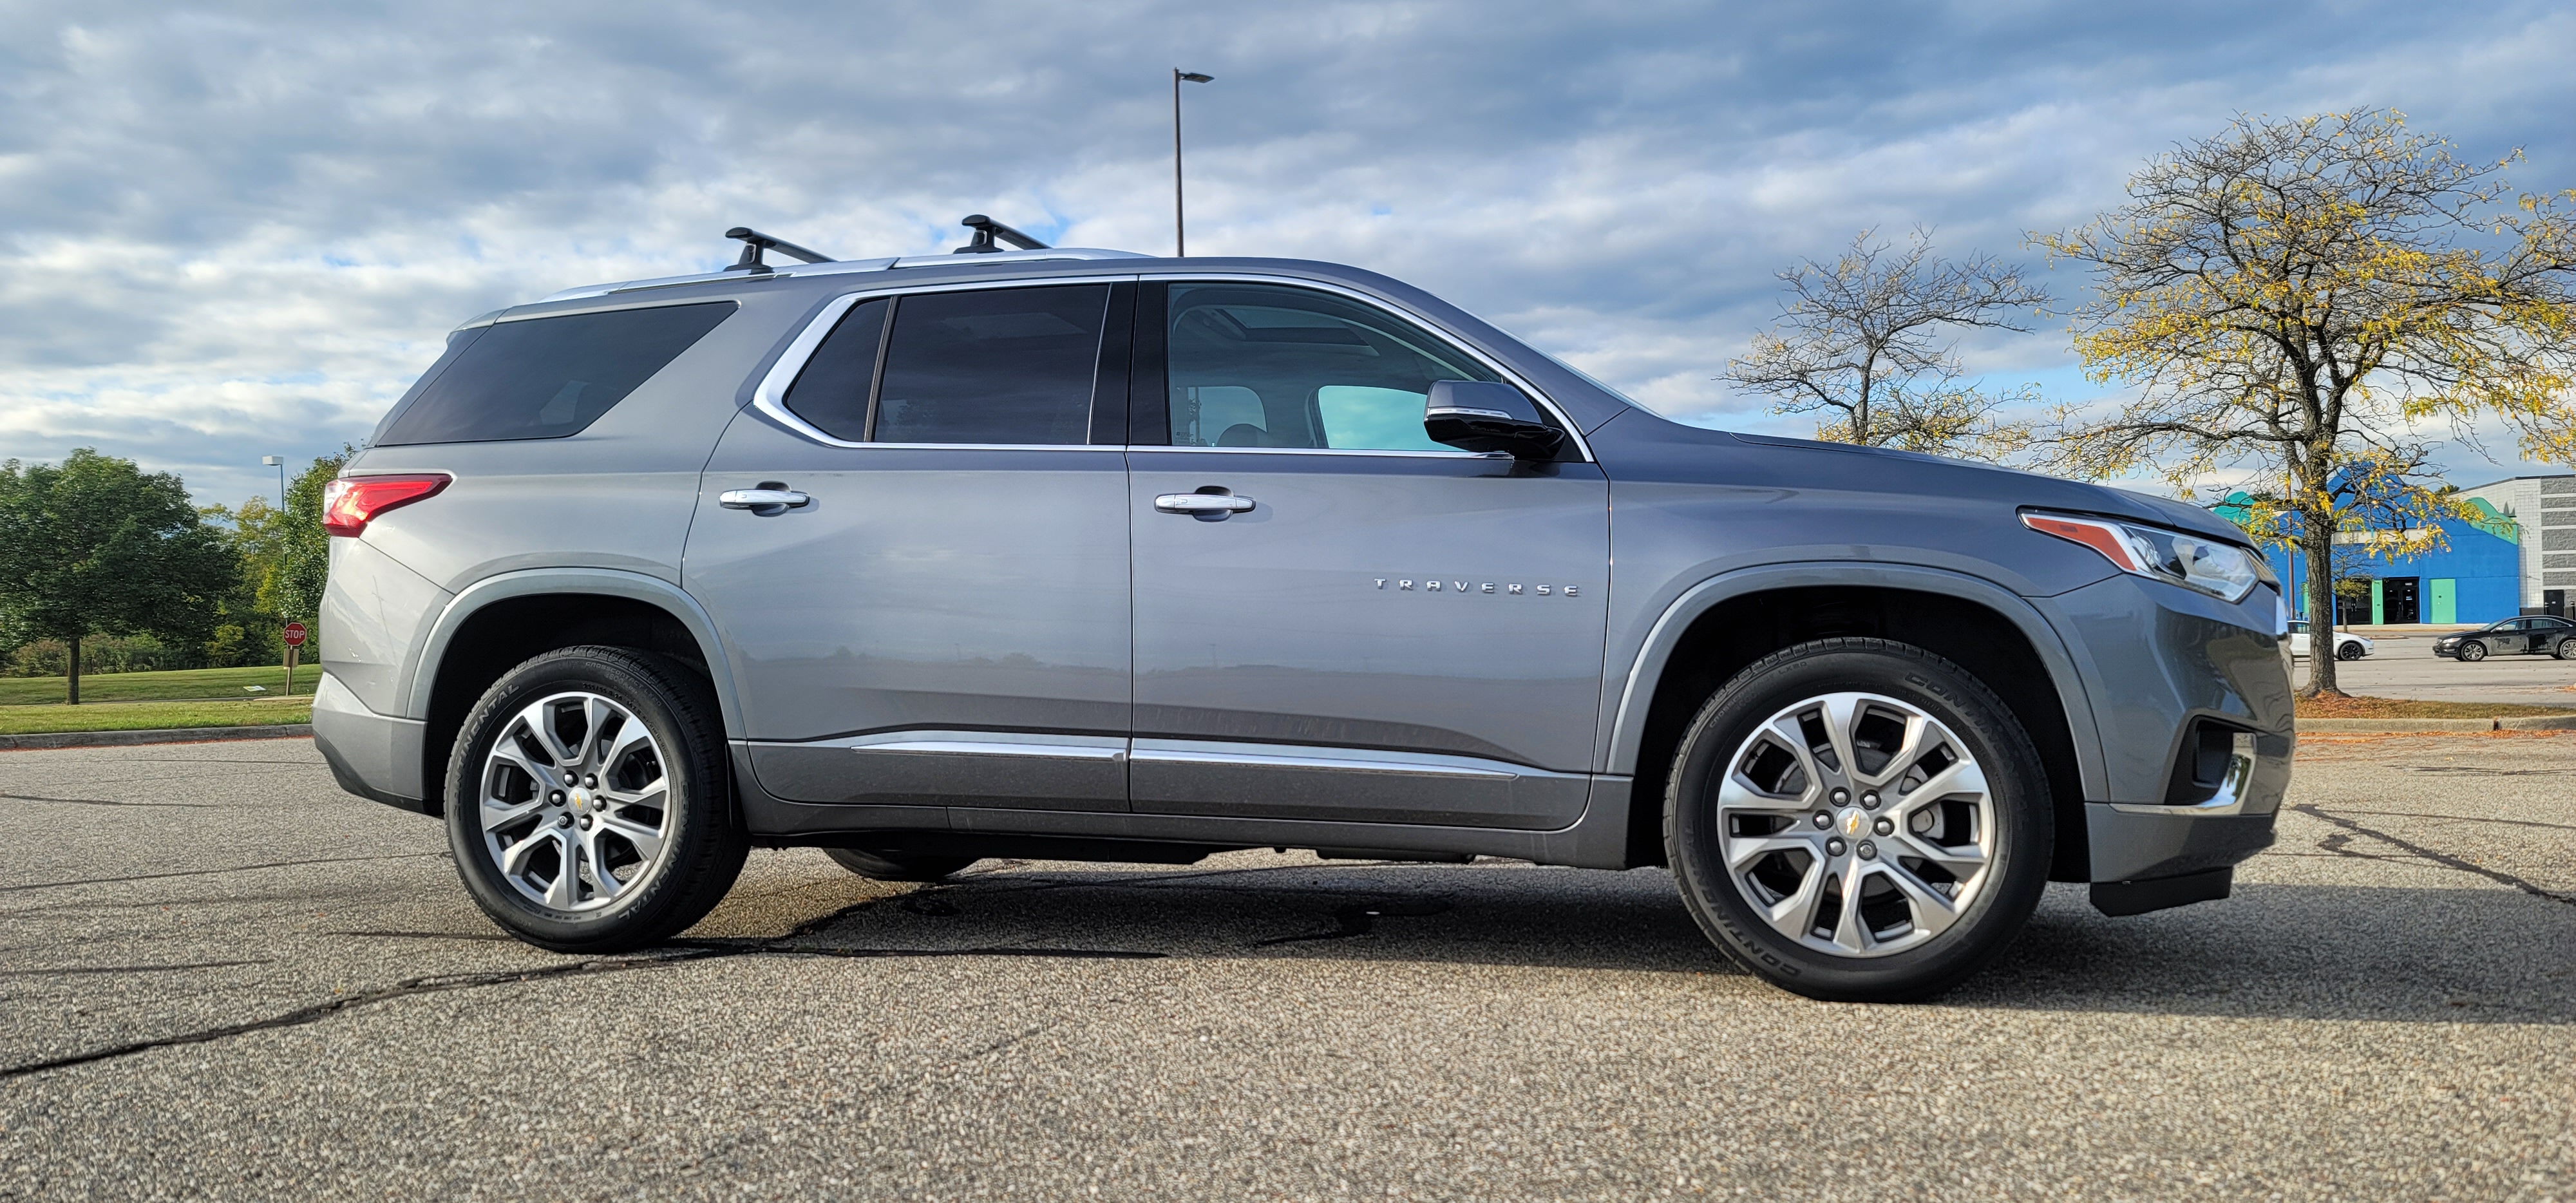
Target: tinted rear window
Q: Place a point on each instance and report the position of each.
(548, 377)
(832, 391)
(1006, 366)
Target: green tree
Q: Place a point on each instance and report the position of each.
(94, 545)
(303, 549)
(2291, 297)
(285, 561)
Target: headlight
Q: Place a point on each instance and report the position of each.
(2221, 570)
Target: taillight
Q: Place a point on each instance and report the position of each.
(351, 502)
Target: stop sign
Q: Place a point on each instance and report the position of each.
(294, 634)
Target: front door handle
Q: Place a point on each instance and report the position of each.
(765, 500)
(1219, 504)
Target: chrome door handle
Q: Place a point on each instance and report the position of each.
(761, 499)
(1202, 503)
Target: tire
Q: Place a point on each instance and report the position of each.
(2471, 652)
(1865, 955)
(895, 866)
(2565, 649)
(516, 825)
(2349, 651)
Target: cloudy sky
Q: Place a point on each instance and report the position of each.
(229, 232)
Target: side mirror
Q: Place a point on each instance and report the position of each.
(1476, 415)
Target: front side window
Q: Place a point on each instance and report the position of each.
(1011, 365)
(1254, 365)
(548, 377)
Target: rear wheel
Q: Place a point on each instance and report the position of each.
(588, 801)
(2473, 651)
(896, 866)
(1859, 820)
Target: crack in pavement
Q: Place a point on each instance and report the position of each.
(284, 864)
(1351, 920)
(300, 1016)
(686, 952)
(109, 802)
(2408, 814)
(2443, 859)
(2476, 771)
(72, 970)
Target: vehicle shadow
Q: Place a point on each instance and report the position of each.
(2274, 951)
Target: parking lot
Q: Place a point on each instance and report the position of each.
(2407, 668)
(225, 978)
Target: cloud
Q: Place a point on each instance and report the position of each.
(237, 232)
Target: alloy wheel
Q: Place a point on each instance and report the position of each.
(1856, 824)
(575, 802)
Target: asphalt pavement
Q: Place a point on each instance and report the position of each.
(223, 978)
(2407, 668)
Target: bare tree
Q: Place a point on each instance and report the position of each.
(1861, 341)
(2294, 296)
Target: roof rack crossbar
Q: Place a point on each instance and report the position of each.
(754, 242)
(986, 230)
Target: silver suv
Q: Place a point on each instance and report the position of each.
(1086, 555)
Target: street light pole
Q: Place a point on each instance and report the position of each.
(278, 462)
(1180, 238)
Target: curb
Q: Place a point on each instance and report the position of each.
(2420, 726)
(167, 735)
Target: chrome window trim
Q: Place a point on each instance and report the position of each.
(1363, 451)
(1515, 379)
(770, 398)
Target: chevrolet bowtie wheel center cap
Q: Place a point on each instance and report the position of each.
(1856, 824)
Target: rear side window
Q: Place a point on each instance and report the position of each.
(832, 392)
(1006, 366)
(545, 378)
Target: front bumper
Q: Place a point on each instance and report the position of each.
(2192, 698)
(371, 755)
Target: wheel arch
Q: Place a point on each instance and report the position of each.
(502, 621)
(1716, 628)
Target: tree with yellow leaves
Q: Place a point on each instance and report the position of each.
(2297, 298)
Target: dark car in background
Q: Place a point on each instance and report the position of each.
(2529, 635)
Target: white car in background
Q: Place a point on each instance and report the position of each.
(2347, 645)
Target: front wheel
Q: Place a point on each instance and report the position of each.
(2472, 652)
(2349, 651)
(1859, 820)
(589, 805)
(2566, 649)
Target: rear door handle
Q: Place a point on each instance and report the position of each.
(1202, 503)
(763, 500)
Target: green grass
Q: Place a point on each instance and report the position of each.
(186, 683)
(150, 716)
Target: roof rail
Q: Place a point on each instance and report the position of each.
(754, 242)
(986, 230)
